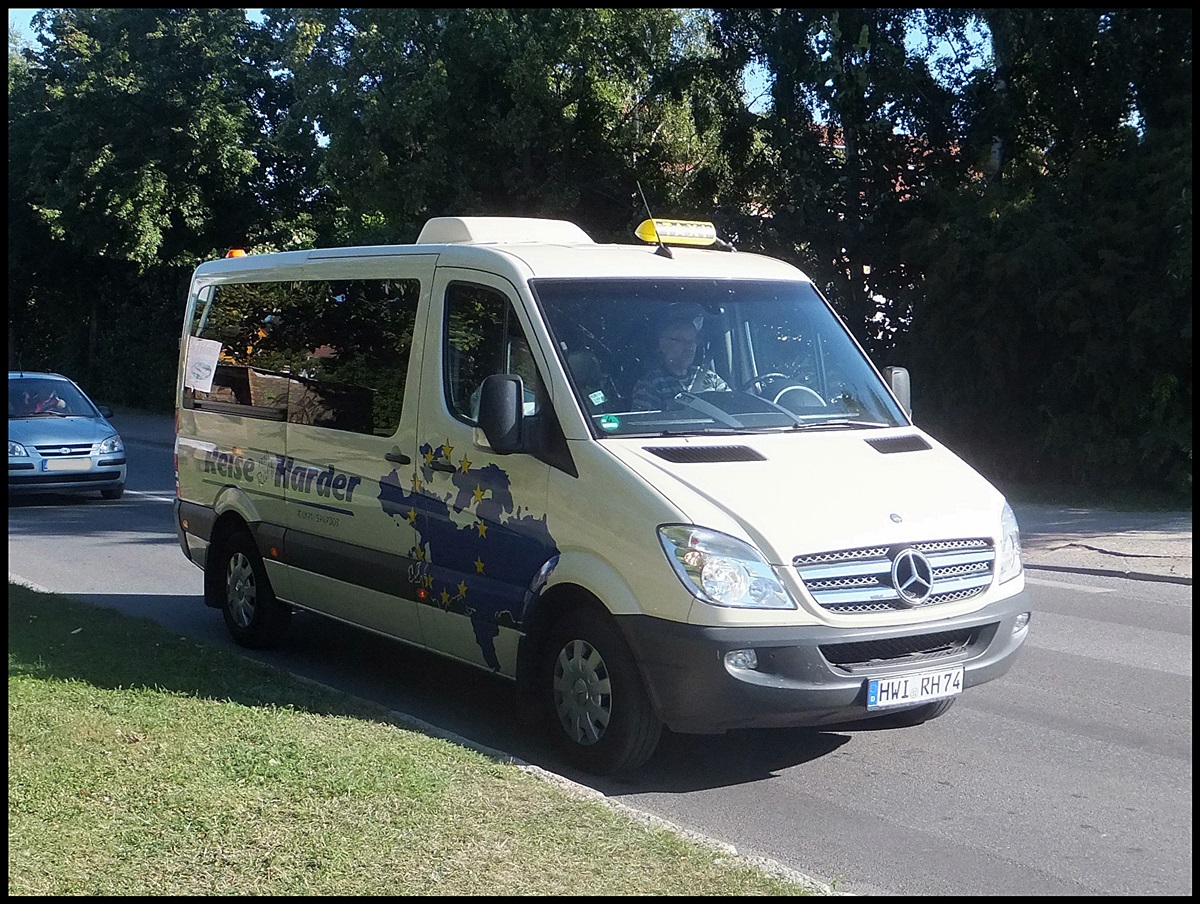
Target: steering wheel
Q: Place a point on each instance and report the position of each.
(791, 387)
(804, 390)
(758, 381)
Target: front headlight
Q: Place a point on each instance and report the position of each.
(16, 450)
(722, 570)
(112, 444)
(1010, 545)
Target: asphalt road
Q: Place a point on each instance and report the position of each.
(1070, 775)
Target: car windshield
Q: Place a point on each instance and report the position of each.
(38, 397)
(699, 356)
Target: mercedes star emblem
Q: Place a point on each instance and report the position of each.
(912, 576)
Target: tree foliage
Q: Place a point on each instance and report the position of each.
(999, 198)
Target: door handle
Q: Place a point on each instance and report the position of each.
(398, 457)
(438, 465)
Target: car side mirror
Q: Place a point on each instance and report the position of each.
(502, 412)
(105, 411)
(901, 386)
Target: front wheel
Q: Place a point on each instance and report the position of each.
(599, 712)
(254, 617)
(113, 492)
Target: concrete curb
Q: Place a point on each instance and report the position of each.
(1114, 573)
(772, 867)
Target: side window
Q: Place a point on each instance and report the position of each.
(484, 337)
(325, 353)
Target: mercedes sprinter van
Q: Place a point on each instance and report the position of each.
(655, 485)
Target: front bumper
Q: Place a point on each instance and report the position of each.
(29, 474)
(810, 675)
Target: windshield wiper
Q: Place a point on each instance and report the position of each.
(838, 422)
(693, 431)
(693, 401)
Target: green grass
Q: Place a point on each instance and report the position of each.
(142, 763)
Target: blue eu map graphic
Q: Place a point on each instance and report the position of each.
(478, 553)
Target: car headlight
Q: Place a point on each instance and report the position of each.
(112, 444)
(16, 450)
(722, 570)
(1010, 545)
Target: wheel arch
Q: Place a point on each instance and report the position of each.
(228, 523)
(552, 605)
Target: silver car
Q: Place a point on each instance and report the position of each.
(59, 441)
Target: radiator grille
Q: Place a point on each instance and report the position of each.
(56, 450)
(860, 580)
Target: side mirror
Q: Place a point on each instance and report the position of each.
(105, 411)
(502, 412)
(898, 379)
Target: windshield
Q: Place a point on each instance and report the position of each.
(35, 397)
(698, 356)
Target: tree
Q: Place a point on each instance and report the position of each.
(139, 141)
(858, 126)
(534, 112)
(1054, 333)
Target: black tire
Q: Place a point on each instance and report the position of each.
(113, 492)
(918, 714)
(597, 709)
(254, 617)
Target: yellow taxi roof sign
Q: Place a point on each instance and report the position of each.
(677, 232)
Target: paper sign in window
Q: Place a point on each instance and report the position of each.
(201, 364)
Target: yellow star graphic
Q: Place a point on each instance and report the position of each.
(478, 494)
(482, 528)
(465, 464)
(479, 566)
(462, 589)
(420, 553)
(429, 457)
(447, 449)
(428, 580)
(412, 516)
(416, 483)
(445, 596)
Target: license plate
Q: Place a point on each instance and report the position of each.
(884, 693)
(66, 464)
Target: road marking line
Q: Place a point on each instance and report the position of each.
(155, 497)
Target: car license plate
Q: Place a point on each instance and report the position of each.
(903, 690)
(66, 464)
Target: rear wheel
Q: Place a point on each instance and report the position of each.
(254, 617)
(598, 710)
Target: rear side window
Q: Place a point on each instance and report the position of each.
(324, 353)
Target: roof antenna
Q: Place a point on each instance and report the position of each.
(662, 248)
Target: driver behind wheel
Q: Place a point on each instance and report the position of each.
(676, 371)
